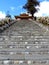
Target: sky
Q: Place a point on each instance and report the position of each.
(15, 7)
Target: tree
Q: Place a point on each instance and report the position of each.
(30, 6)
(8, 15)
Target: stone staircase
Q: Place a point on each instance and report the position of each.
(24, 43)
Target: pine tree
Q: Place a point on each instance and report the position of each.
(30, 6)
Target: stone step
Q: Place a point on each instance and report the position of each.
(24, 40)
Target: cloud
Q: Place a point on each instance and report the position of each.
(2, 15)
(16, 8)
(19, 7)
(12, 8)
(44, 9)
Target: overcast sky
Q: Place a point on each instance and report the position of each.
(15, 7)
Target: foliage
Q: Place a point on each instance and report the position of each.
(30, 6)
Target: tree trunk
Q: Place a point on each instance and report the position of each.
(32, 15)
